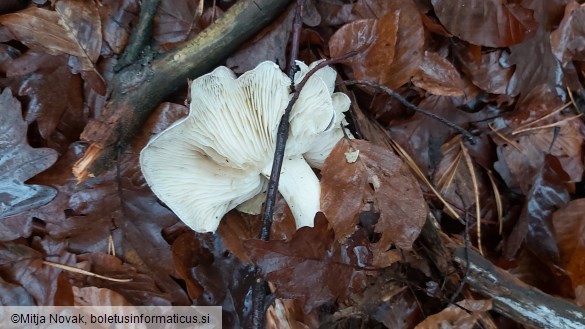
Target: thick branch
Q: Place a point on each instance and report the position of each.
(139, 88)
(516, 300)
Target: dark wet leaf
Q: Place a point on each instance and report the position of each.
(486, 23)
(521, 154)
(438, 76)
(569, 228)
(542, 69)
(487, 70)
(534, 227)
(19, 162)
(310, 267)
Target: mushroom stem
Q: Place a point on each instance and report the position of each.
(300, 187)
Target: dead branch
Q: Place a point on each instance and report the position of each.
(139, 88)
(516, 300)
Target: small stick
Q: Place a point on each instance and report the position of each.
(260, 286)
(468, 136)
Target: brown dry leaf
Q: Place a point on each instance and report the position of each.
(466, 316)
(568, 39)
(74, 28)
(390, 48)
(311, 267)
(19, 162)
(438, 76)
(486, 23)
(569, 228)
(378, 181)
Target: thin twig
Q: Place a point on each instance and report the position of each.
(468, 136)
(260, 286)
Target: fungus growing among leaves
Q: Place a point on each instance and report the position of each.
(220, 156)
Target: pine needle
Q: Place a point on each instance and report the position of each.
(84, 272)
(475, 194)
(414, 167)
(498, 198)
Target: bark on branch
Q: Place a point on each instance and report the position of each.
(139, 88)
(516, 300)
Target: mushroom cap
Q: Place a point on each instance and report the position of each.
(219, 156)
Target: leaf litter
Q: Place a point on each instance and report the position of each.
(368, 258)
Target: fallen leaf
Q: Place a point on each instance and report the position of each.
(310, 267)
(390, 48)
(569, 228)
(521, 155)
(19, 162)
(548, 193)
(466, 315)
(491, 72)
(438, 76)
(73, 28)
(568, 39)
(377, 181)
(176, 21)
(94, 296)
(486, 23)
(117, 18)
(542, 69)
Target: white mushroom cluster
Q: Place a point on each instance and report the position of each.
(220, 156)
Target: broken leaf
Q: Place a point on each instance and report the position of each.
(19, 162)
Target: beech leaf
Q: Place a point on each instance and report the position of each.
(377, 181)
(74, 28)
(486, 23)
(390, 47)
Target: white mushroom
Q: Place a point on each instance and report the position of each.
(220, 156)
